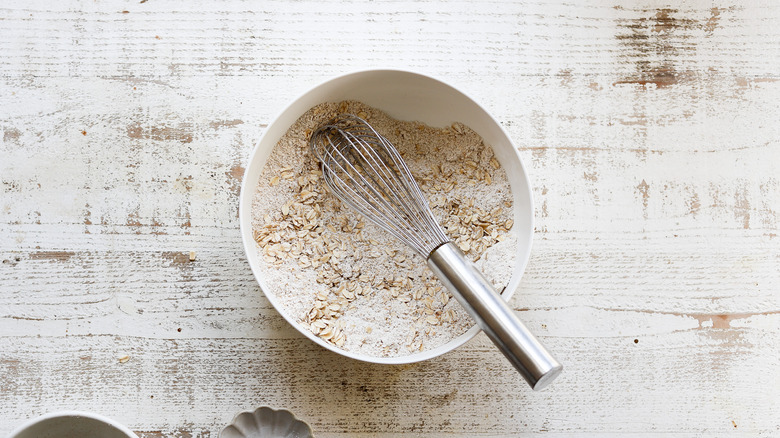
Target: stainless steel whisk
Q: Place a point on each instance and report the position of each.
(364, 170)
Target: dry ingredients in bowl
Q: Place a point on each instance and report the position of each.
(350, 282)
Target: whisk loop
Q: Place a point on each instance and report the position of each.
(363, 169)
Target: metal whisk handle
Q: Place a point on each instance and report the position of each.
(493, 315)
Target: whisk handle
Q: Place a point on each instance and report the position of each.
(493, 315)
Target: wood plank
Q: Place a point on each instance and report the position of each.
(171, 382)
(286, 39)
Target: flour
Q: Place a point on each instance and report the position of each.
(350, 282)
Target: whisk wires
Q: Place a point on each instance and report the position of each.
(365, 170)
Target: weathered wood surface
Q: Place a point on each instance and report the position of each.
(651, 132)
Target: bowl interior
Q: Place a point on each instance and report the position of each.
(404, 96)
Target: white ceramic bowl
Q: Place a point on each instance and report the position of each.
(409, 96)
(72, 424)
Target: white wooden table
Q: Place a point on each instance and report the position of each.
(651, 132)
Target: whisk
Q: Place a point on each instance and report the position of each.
(364, 170)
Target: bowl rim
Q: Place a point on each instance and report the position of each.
(71, 414)
(245, 220)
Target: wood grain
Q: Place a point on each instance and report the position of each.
(650, 132)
